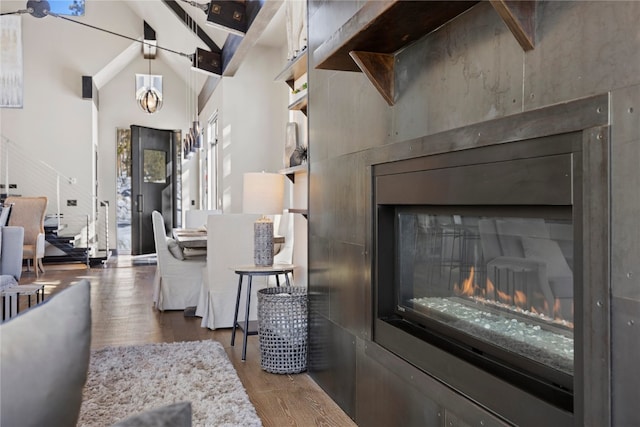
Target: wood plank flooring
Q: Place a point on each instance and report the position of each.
(122, 314)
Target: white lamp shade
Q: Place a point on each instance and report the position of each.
(263, 193)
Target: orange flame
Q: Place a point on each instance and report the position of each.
(490, 287)
(538, 305)
(557, 310)
(468, 288)
(503, 297)
(520, 299)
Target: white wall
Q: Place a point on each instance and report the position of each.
(252, 116)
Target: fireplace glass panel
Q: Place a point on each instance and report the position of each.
(504, 282)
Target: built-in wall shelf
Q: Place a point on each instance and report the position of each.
(300, 104)
(370, 40)
(292, 171)
(291, 174)
(295, 69)
(302, 212)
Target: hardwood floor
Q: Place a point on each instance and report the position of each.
(122, 314)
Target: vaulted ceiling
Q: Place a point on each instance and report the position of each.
(183, 24)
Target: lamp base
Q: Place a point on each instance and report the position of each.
(263, 242)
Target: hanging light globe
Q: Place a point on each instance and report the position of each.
(150, 100)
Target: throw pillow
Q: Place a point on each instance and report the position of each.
(174, 415)
(547, 250)
(175, 249)
(45, 358)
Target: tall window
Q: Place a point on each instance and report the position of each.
(211, 178)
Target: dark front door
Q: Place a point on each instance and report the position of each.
(153, 183)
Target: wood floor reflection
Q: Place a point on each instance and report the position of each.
(122, 314)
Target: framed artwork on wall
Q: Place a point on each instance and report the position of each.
(11, 71)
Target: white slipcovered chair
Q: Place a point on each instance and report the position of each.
(178, 279)
(196, 218)
(229, 244)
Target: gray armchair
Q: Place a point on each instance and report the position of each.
(11, 244)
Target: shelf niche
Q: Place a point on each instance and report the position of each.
(300, 104)
(291, 174)
(295, 69)
(293, 170)
(371, 39)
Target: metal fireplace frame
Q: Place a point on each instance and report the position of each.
(578, 127)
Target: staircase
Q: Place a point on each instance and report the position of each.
(61, 248)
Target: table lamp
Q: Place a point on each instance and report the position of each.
(263, 193)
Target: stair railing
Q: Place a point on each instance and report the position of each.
(23, 174)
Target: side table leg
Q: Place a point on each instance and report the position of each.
(286, 277)
(235, 316)
(246, 321)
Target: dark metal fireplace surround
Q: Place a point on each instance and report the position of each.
(478, 271)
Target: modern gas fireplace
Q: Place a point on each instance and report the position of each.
(477, 268)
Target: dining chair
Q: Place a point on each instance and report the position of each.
(29, 212)
(178, 279)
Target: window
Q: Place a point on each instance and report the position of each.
(155, 166)
(210, 180)
(67, 7)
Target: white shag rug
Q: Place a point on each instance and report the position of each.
(124, 381)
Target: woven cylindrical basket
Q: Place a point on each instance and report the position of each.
(282, 329)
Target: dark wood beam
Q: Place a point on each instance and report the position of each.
(520, 17)
(236, 48)
(188, 22)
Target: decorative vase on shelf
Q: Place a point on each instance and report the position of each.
(291, 143)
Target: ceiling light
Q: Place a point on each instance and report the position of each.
(150, 100)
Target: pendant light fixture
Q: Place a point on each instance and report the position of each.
(194, 134)
(149, 98)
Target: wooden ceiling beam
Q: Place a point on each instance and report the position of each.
(188, 21)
